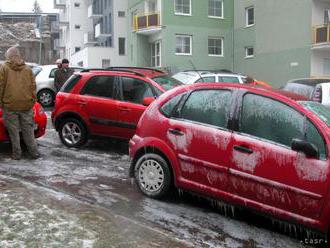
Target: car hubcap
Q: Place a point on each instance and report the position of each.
(151, 175)
(46, 98)
(71, 133)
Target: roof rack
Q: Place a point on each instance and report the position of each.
(134, 67)
(113, 69)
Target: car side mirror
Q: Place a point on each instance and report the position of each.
(147, 101)
(309, 149)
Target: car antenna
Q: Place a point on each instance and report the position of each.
(193, 66)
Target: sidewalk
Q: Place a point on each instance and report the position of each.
(31, 216)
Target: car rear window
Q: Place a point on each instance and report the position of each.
(301, 89)
(36, 70)
(167, 82)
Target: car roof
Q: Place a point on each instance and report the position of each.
(146, 71)
(210, 73)
(308, 81)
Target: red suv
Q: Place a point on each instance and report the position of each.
(106, 102)
(248, 146)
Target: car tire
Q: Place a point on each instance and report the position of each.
(153, 175)
(46, 97)
(72, 133)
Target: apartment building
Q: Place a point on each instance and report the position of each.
(181, 34)
(93, 32)
(271, 40)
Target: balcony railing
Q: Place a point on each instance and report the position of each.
(59, 4)
(146, 21)
(92, 12)
(321, 34)
(89, 38)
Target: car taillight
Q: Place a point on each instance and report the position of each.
(317, 95)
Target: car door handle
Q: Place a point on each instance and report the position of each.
(124, 109)
(176, 131)
(243, 149)
(82, 103)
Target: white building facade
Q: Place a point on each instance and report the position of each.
(93, 32)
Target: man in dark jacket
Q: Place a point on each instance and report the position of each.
(62, 74)
(17, 97)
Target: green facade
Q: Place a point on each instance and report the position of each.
(281, 38)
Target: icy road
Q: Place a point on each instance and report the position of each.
(84, 198)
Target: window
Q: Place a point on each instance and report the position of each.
(70, 83)
(77, 26)
(206, 80)
(121, 13)
(121, 42)
(215, 46)
(208, 106)
(182, 7)
(183, 44)
(76, 5)
(105, 63)
(102, 86)
(249, 52)
(249, 16)
(229, 79)
(169, 106)
(156, 54)
(76, 49)
(134, 90)
(274, 121)
(216, 8)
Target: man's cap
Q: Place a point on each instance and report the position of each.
(65, 61)
(58, 61)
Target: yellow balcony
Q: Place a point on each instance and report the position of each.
(147, 23)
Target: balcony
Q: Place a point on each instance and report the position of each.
(93, 13)
(89, 39)
(100, 32)
(59, 4)
(147, 24)
(321, 37)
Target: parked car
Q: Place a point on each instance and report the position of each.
(96, 102)
(248, 146)
(45, 83)
(191, 77)
(40, 120)
(321, 93)
(305, 86)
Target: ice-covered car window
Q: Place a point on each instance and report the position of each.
(272, 120)
(186, 77)
(168, 107)
(208, 106)
(322, 111)
(300, 89)
(167, 82)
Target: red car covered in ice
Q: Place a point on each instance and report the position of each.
(247, 146)
(40, 120)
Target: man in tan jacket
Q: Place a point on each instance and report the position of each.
(17, 97)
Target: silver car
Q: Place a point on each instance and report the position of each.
(45, 83)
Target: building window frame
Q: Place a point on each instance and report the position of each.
(214, 46)
(178, 12)
(190, 44)
(248, 22)
(249, 52)
(156, 54)
(215, 16)
(121, 46)
(76, 4)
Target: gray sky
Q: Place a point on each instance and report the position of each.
(26, 5)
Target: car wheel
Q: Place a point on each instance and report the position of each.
(72, 133)
(46, 97)
(153, 175)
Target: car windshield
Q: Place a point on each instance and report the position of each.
(36, 70)
(319, 109)
(300, 89)
(167, 82)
